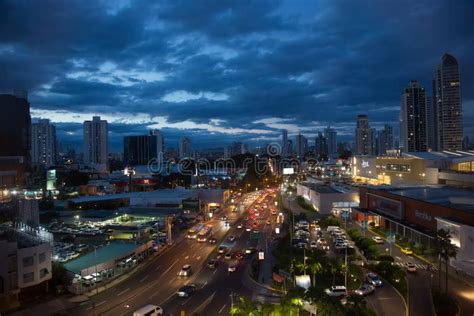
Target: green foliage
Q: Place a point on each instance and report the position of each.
(302, 203)
(330, 221)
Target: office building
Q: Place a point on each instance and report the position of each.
(331, 140)
(448, 105)
(413, 127)
(284, 143)
(140, 150)
(320, 146)
(365, 136)
(236, 148)
(289, 147)
(43, 143)
(385, 140)
(301, 145)
(185, 149)
(96, 144)
(15, 134)
(431, 133)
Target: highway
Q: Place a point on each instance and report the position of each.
(157, 281)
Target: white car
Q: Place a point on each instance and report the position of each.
(336, 291)
(185, 271)
(410, 267)
(232, 268)
(378, 240)
(239, 226)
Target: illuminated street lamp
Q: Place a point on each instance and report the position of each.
(129, 171)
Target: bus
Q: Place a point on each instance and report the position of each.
(194, 231)
(204, 233)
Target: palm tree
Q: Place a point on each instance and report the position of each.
(445, 250)
(315, 268)
(334, 266)
(244, 307)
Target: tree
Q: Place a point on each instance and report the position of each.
(244, 307)
(445, 250)
(315, 268)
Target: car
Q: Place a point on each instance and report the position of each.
(186, 291)
(406, 250)
(185, 271)
(250, 250)
(246, 219)
(228, 256)
(222, 249)
(268, 222)
(231, 238)
(374, 279)
(212, 264)
(240, 256)
(149, 309)
(239, 226)
(313, 244)
(212, 240)
(365, 289)
(336, 291)
(232, 268)
(378, 240)
(226, 224)
(248, 228)
(410, 267)
(274, 212)
(223, 218)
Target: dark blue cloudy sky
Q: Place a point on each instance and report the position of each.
(219, 71)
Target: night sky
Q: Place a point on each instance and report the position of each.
(219, 71)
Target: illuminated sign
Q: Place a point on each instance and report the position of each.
(261, 255)
(365, 164)
(288, 171)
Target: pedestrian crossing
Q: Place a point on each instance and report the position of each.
(419, 266)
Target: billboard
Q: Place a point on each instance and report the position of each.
(288, 171)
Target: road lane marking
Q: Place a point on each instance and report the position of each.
(84, 303)
(156, 269)
(144, 278)
(182, 304)
(124, 291)
(222, 308)
(169, 268)
(214, 271)
(98, 304)
(205, 283)
(199, 257)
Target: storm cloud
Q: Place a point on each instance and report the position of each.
(220, 71)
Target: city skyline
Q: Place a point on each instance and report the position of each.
(125, 81)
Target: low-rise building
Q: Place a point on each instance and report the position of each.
(25, 262)
(327, 197)
(416, 213)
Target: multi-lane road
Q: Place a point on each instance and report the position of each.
(157, 282)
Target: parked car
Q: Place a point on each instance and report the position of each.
(365, 289)
(336, 291)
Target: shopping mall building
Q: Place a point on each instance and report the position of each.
(451, 168)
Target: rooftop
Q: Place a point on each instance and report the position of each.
(327, 188)
(454, 156)
(462, 199)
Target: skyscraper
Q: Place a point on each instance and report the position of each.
(413, 121)
(385, 140)
(15, 133)
(320, 146)
(364, 136)
(301, 145)
(185, 149)
(331, 140)
(96, 143)
(448, 106)
(140, 150)
(43, 143)
(430, 124)
(284, 143)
